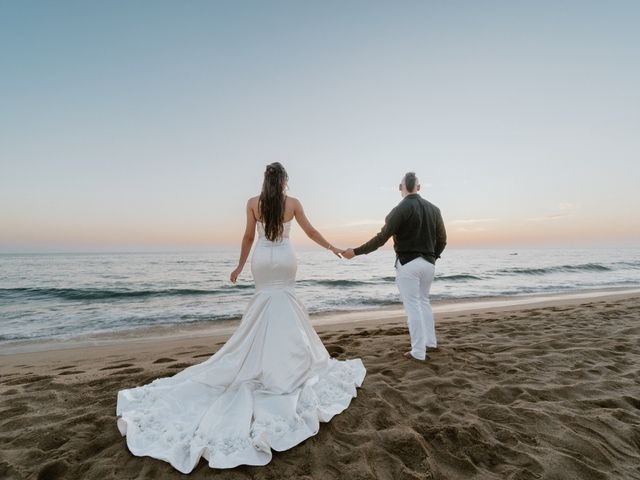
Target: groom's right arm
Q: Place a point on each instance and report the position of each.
(391, 224)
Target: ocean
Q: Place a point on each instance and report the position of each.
(58, 296)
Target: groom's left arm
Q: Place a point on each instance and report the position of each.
(391, 224)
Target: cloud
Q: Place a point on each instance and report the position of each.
(456, 183)
(554, 216)
(562, 210)
(470, 221)
(360, 223)
(471, 229)
(566, 206)
(356, 223)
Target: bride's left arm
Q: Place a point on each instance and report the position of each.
(247, 241)
(311, 232)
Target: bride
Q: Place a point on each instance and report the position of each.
(269, 385)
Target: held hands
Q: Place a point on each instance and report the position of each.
(348, 253)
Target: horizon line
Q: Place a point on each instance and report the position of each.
(310, 247)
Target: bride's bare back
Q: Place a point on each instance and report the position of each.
(292, 209)
(289, 207)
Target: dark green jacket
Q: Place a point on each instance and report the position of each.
(417, 228)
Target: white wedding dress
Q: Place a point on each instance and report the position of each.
(268, 387)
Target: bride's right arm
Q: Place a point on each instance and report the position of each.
(311, 232)
(247, 241)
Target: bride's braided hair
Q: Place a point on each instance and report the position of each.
(271, 204)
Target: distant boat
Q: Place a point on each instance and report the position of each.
(514, 253)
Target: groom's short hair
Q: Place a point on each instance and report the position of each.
(410, 180)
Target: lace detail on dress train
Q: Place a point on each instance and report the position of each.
(267, 388)
(319, 399)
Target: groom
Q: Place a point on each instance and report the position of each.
(419, 237)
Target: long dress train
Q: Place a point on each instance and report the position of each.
(268, 386)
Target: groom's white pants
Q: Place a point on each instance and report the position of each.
(414, 280)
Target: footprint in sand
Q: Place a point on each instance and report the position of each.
(368, 333)
(122, 365)
(15, 411)
(66, 367)
(164, 360)
(7, 471)
(394, 331)
(180, 365)
(202, 355)
(55, 469)
(51, 442)
(334, 350)
(129, 370)
(26, 380)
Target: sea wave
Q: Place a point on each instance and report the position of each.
(582, 267)
(381, 280)
(458, 278)
(327, 282)
(104, 294)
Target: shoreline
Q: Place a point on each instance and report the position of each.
(322, 321)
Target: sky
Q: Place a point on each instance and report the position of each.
(147, 125)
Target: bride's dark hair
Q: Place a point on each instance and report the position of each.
(271, 203)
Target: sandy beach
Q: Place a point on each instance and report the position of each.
(548, 389)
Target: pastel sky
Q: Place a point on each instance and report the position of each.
(146, 125)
